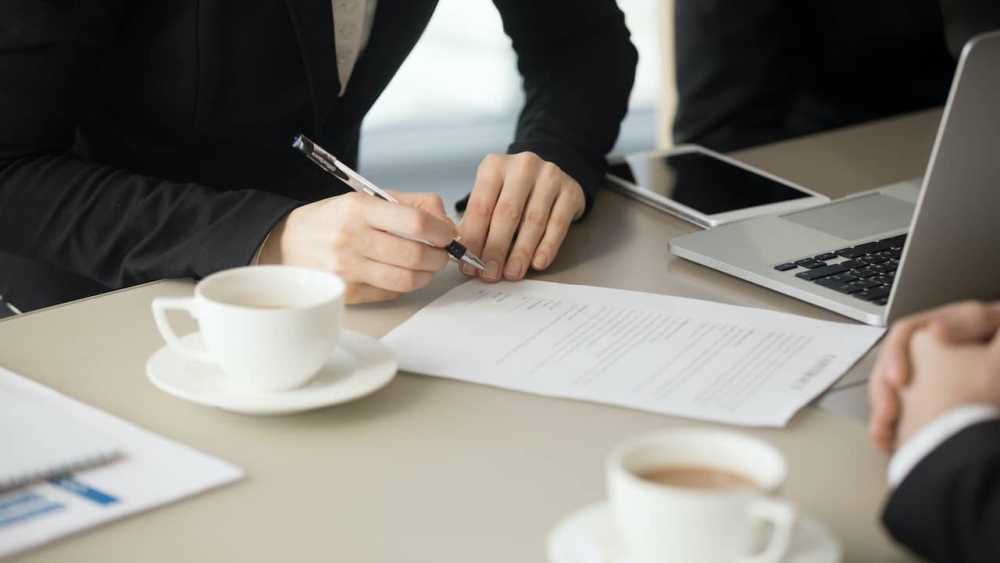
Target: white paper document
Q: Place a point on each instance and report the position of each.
(668, 355)
(151, 471)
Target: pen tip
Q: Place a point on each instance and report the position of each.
(476, 262)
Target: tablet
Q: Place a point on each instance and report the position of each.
(705, 187)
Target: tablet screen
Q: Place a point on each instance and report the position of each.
(702, 182)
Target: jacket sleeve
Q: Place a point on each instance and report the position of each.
(578, 66)
(948, 507)
(95, 220)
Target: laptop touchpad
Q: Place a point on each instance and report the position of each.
(857, 218)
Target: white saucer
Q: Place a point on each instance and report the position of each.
(588, 536)
(358, 366)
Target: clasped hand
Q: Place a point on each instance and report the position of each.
(931, 363)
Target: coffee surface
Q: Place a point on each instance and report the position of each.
(697, 477)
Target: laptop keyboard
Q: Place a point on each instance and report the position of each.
(865, 271)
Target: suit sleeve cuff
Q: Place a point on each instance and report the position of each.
(933, 435)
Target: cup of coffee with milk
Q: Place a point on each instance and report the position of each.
(699, 496)
(268, 328)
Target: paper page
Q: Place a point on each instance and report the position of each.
(36, 444)
(150, 472)
(664, 354)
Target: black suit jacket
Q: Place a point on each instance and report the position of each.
(948, 508)
(144, 140)
(756, 72)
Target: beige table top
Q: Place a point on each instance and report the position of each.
(436, 470)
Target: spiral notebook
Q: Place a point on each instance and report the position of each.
(43, 431)
(37, 444)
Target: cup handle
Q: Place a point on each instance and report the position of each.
(783, 516)
(160, 307)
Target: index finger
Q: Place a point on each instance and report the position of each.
(431, 203)
(475, 222)
(409, 221)
(893, 363)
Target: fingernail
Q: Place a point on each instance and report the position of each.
(513, 269)
(541, 260)
(492, 272)
(468, 270)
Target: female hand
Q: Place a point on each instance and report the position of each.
(350, 235)
(518, 214)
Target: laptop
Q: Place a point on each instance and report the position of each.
(889, 252)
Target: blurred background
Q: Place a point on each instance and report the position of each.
(457, 96)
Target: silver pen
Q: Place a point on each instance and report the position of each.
(342, 172)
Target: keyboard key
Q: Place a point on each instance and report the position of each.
(896, 253)
(810, 263)
(868, 284)
(864, 272)
(843, 278)
(882, 301)
(887, 267)
(894, 242)
(847, 288)
(825, 256)
(822, 272)
(876, 259)
(883, 279)
(872, 247)
(849, 253)
(855, 264)
(785, 267)
(874, 293)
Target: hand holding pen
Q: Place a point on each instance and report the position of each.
(349, 235)
(358, 183)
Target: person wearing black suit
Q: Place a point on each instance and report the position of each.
(935, 396)
(148, 140)
(750, 73)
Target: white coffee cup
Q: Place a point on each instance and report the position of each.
(661, 523)
(268, 328)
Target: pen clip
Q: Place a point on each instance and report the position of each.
(328, 162)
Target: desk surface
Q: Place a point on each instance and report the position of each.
(429, 469)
